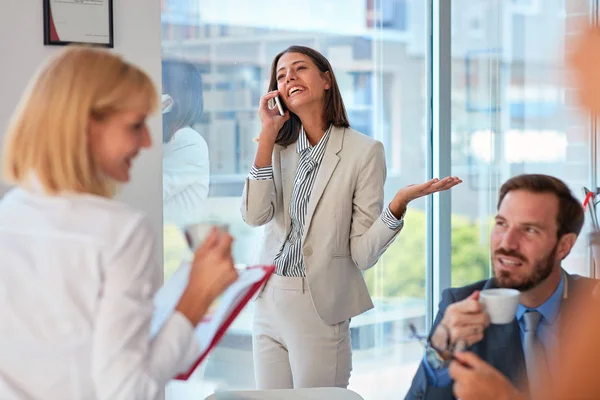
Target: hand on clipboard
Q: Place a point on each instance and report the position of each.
(221, 314)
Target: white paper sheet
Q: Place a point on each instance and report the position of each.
(168, 296)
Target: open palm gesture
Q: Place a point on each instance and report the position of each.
(413, 192)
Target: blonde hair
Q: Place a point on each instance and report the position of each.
(48, 134)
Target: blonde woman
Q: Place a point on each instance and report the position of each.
(79, 269)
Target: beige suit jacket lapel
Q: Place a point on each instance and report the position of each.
(289, 159)
(326, 169)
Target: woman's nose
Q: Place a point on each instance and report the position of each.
(291, 76)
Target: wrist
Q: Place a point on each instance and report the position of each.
(398, 207)
(264, 154)
(436, 360)
(193, 304)
(269, 134)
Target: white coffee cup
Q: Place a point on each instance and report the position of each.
(500, 304)
(196, 234)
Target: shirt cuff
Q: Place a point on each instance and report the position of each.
(436, 378)
(392, 222)
(188, 334)
(261, 174)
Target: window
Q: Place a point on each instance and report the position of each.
(509, 116)
(223, 57)
(527, 7)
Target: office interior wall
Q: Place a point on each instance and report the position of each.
(137, 37)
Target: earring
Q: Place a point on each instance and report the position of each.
(167, 103)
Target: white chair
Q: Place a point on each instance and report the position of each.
(288, 394)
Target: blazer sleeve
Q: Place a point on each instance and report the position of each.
(258, 201)
(369, 234)
(420, 388)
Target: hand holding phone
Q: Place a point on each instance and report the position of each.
(272, 116)
(279, 107)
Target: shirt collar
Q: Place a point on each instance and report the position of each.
(550, 308)
(302, 143)
(316, 152)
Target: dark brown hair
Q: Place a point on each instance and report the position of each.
(570, 216)
(182, 81)
(334, 111)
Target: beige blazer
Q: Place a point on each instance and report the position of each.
(343, 233)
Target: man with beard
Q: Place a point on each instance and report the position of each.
(536, 226)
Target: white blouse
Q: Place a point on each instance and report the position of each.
(77, 277)
(186, 176)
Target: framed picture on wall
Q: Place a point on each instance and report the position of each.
(78, 21)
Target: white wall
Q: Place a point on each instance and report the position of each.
(137, 36)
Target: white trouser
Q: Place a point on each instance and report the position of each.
(293, 347)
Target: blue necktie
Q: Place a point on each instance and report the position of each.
(535, 359)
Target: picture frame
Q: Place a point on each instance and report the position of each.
(78, 21)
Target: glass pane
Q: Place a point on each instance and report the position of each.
(510, 116)
(379, 57)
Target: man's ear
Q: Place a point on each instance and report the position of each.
(565, 244)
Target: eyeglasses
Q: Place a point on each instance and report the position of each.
(444, 345)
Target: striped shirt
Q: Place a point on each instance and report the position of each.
(289, 261)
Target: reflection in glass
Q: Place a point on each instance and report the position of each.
(185, 152)
(186, 169)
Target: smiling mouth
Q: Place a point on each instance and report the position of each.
(129, 160)
(509, 262)
(295, 90)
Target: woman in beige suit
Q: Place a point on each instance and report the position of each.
(317, 187)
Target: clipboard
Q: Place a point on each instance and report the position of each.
(221, 313)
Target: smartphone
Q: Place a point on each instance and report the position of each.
(279, 107)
